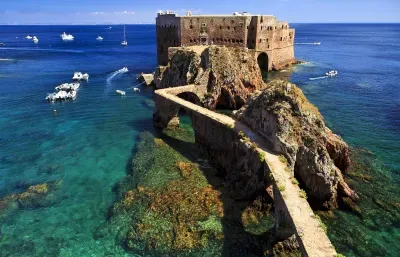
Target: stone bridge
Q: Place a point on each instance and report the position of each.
(219, 136)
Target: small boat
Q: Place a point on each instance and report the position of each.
(317, 43)
(109, 28)
(68, 87)
(99, 38)
(2, 44)
(66, 37)
(120, 92)
(85, 77)
(71, 95)
(28, 37)
(124, 69)
(51, 97)
(35, 40)
(124, 42)
(331, 73)
(79, 76)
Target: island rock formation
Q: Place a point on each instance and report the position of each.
(295, 128)
(231, 74)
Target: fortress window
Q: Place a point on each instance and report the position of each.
(220, 27)
(275, 27)
(268, 46)
(247, 27)
(241, 40)
(282, 26)
(234, 28)
(281, 39)
(191, 26)
(203, 25)
(229, 27)
(191, 40)
(260, 40)
(237, 41)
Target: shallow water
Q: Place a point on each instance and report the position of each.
(88, 145)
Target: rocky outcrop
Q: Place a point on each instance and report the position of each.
(295, 128)
(231, 74)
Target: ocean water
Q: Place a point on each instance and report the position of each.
(87, 147)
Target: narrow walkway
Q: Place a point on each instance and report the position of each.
(310, 235)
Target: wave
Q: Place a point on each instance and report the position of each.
(314, 43)
(114, 74)
(43, 49)
(324, 77)
(7, 60)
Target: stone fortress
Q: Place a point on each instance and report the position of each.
(271, 41)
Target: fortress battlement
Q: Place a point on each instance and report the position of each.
(272, 39)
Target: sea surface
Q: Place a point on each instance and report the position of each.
(85, 146)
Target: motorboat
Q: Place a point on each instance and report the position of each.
(331, 73)
(68, 87)
(85, 76)
(317, 43)
(28, 37)
(79, 76)
(124, 42)
(66, 37)
(124, 69)
(60, 95)
(99, 38)
(35, 40)
(51, 97)
(120, 92)
(71, 94)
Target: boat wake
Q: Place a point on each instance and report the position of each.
(324, 77)
(7, 60)
(314, 43)
(115, 74)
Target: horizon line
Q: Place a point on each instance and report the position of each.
(116, 24)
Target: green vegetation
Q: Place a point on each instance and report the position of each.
(281, 187)
(283, 159)
(321, 224)
(340, 255)
(303, 194)
(261, 156)
(294, 181)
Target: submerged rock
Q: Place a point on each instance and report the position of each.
(295, 128)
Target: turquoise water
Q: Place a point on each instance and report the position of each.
(87, 147)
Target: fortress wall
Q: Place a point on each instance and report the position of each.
(281, 57)
(168, 35)
(221, 30)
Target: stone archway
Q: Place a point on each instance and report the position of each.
(263, 60)
(190, 97)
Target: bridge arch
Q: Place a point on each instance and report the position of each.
(263, 61)
(190, 97)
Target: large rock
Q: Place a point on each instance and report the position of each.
(295, 128)
(231, 74)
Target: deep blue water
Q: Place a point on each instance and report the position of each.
(88, 144)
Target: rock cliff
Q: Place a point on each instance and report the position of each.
(295, 128)
(231, 74)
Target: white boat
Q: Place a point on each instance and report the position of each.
(66, 37)
(71, 95)
(61, 95)
(331, 73)
(120, 92)
(124, 42)
(85, 76)
(317, 43)
(28, 37)
(99, 38)
(51, 97)
(35, 40)
(124, 69)
(68, 87)
(77, 76)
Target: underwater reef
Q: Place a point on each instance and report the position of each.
(175, 204)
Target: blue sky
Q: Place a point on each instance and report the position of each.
(134, 11)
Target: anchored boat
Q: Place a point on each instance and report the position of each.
(66, 37)
(120, 92)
